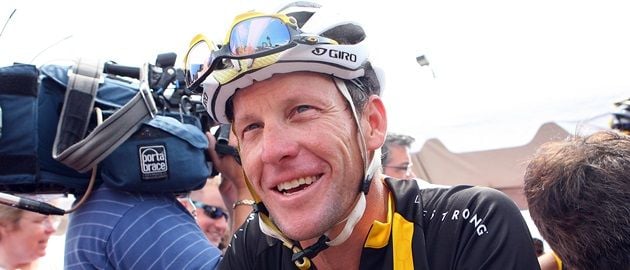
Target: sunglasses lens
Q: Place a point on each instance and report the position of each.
(211, 211)
(198, 61)
(248, 37)
(258, 34)
(216, 213)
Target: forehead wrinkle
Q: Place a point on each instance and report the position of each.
(303, 91)
(247, 116)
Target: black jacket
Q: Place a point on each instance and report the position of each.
(460, 227)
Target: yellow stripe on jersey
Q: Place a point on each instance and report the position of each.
(380, 232)
(402, 236)
(558, 260)
(401, 231)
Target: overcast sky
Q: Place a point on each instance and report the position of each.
(501, 68)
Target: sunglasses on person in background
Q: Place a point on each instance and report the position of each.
(252, 35)
(213, 212)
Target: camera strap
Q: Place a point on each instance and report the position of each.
(71, 147)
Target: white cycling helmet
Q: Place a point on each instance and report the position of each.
(301, 37)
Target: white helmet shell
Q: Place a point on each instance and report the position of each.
(347, 60)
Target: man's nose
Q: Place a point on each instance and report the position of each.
(278, 144)
(51, 225)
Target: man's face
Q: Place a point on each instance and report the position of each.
(215, 228)
(28, 240)
(298, 145)
(398, 163)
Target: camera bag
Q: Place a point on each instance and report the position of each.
(70, 142)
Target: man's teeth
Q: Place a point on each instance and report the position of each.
(296, 183)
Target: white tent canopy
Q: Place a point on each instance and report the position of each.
(502, 169)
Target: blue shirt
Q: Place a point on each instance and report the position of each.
(123, 230)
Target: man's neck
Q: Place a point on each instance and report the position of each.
(348, 254)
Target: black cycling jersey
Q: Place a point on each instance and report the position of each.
(460, 227)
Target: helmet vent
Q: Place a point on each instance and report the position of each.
(348, 33)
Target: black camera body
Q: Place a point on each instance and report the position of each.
(222, 146)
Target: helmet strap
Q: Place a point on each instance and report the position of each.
(324, 242)
(369, 166)
(351, 221)
(312, 251)
(269, 228)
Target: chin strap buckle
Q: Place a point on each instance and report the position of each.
(311, 251)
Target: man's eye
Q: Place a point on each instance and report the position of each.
(303, 108)
(251, 127)
(40, 220)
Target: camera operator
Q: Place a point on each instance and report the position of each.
(138, 229)
(129, 230)
(133, 219)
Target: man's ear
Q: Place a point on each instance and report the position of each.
(374, 122)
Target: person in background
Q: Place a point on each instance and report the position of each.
(117, 229)
(211, 213)
(550, 261)
(309, 123)
(621, 117)
(143, 227)
(578, 192)
(395, 156)
(23, 237)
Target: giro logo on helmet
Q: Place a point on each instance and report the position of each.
(336, 54)
(319, 51)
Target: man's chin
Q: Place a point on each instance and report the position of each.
(299, 232)
(301, 228)
(213, 240)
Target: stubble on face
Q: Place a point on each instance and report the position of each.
(296, 125)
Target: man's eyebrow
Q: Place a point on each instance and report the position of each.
(248, 117)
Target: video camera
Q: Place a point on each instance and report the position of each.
(141, 126)
(162, 75)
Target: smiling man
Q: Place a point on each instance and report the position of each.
(211, 212)
(310, 123)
